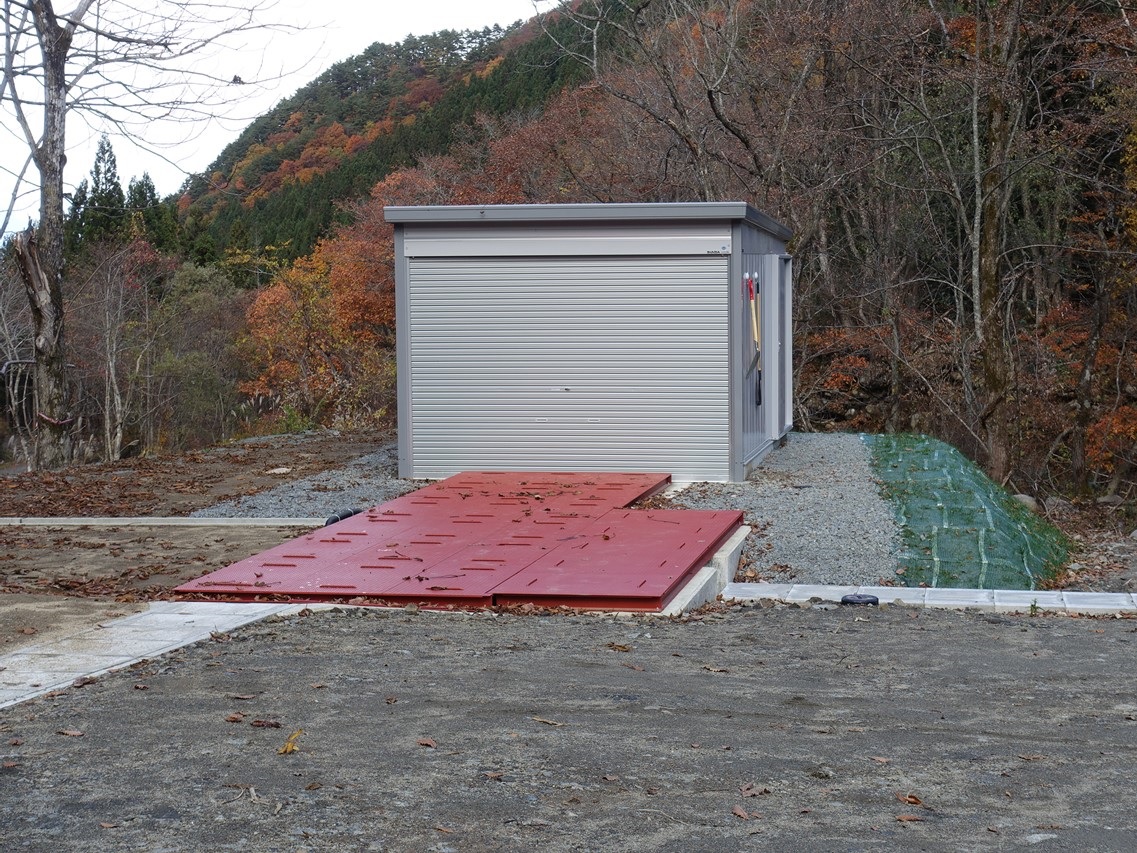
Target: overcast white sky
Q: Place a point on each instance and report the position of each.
(328, 32)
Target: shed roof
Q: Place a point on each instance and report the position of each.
(520, 213)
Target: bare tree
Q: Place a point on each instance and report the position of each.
(121, 67)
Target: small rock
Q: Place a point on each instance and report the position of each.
(1133, 535)
(279, 471)
(1058, 507)
(1029, 502)
(1110, 500)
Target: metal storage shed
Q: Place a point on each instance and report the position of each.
(591, 337)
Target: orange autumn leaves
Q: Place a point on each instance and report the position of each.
(321, 333)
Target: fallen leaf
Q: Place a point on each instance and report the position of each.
(909, 818)
(494, 774)
(740, 812)
(391, 700)
(993, 829)
(632, 666)
(710, 668)
(141, 686)
(652, 791)
(443, 829)
(235, 717)
(14, 741)
(619, 647)
(1032, 757)
(910, 799)
(290, 744)
(28, 631)
(8, 765)
(547, 722)
(243, 696)
(749, 790)
(427, 742)
(610, 777)
(70, 733)
(265, 724)
(319, 686)
(108, 825)
(880, 760)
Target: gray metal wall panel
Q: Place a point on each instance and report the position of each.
(568, 239)
(616, 363)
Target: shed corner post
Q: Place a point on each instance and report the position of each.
(403, 357)
(737, 466)
(786, 401)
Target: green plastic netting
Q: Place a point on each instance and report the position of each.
(959, 528)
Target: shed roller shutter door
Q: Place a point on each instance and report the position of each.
(569, 364)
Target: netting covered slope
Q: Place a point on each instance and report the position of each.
(959, 529)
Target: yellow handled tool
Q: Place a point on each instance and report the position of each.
(755, 325)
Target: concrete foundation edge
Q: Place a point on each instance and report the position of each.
(710, 580)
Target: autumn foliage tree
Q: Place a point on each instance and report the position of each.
(321, 334)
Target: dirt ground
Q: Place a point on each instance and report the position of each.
(792, 729)
(177, 485)
(57, 580)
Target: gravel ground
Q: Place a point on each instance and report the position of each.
(814, 506)
(816, 512)
(364, 482)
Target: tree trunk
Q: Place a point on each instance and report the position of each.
(40, 255)
(51, 447)
(994, 347)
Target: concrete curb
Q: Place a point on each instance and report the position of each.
(709, 581)
(997, 600)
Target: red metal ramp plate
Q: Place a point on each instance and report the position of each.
(583, 493)
(353, 558)
(450, 543)
(472, 573)
(626, 560)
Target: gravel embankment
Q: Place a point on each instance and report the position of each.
(814, 506)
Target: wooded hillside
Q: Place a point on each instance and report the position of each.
(960, 180)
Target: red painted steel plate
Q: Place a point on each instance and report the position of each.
(477, 538)
(627, 559)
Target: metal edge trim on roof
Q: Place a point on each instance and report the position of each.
(442, 213)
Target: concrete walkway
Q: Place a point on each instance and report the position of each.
(118, 643)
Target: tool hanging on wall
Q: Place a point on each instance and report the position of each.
(755, 326)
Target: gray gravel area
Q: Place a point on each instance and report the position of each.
(365, 482)
(816, 511)
(814, 506)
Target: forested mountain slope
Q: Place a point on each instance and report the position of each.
(279, 182)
